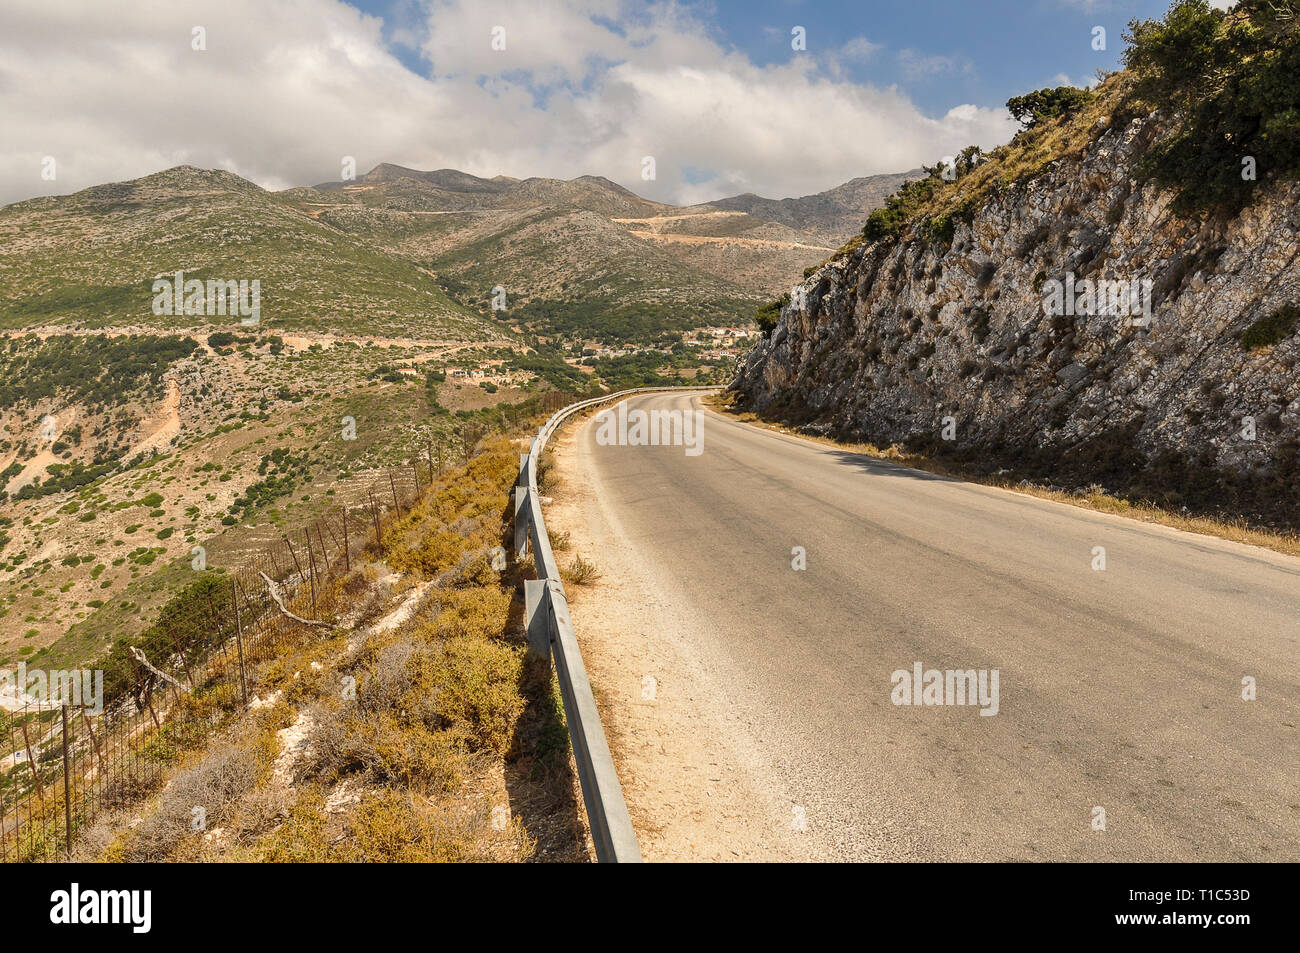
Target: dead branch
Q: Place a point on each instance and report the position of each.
(140, 657)
(274, 590)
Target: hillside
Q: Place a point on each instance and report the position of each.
(585, 256)
(946, 327)
(833, 215)
(160, 444)
(89, 260)
(446, 743)
(402, 253)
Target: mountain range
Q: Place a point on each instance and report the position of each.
(404, 253)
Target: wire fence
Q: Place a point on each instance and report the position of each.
(66, 762)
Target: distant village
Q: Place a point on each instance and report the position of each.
(491, 372)
(720, 342)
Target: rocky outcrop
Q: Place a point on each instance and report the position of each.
(903, 337)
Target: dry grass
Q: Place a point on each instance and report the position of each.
(387, 750)
(401, 827)
(580, 572)
(303, 838)
(395, 826)
(476, 685)
(1031, 151)
(213, 786)
(417, 724)
(1026, 156)
(461, 516)
(1238, 531)
(481, 612)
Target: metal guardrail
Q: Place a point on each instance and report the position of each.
(550, 630)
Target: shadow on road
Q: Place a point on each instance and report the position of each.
(878, 467)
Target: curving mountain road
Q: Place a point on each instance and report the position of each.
(1118, 689)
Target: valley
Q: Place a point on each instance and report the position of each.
(374, 303)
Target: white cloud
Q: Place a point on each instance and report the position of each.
(860, 48)
(1061, 79)
(284, 91)
(919, 66)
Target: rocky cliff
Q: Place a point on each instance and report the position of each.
(914, 339)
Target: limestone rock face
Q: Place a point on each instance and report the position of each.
(889, 341)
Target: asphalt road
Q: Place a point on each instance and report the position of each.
(1118, 689)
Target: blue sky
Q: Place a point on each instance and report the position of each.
(942, 52)
(996, 48)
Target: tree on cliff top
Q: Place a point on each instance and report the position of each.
(1229, 85)
(1032, 108)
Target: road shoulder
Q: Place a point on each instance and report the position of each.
(689, 762)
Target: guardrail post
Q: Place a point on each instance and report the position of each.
(521, 522)
(537, 616)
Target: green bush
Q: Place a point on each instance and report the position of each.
(889, 220)
(1271, 329)
(478, 690)
(1032, 108)
(1229, 84)
(901, 208)
(769, 314)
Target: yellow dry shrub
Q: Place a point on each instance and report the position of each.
(437, 552)
(475, 493)
(402, 744)
(479, 572)
(482, 613)
(411, 754)
(301, 839)
(399, 827)
(479, 690)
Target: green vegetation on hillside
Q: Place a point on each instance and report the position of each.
(1272, 328)
(185, 620)
(904, 206)
(209, 225)
(281, 470)
(900, 208)
(95, 369)
(634, 322)
(1043, 104)
(62, 477)
(1230, 85)
(551, 367)
(769, 315)
(654, 369)
(1226, 89)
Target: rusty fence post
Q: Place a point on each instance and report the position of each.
(67, 789)
(347, 556)
(239, 641)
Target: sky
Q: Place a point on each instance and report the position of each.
(681, 102)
